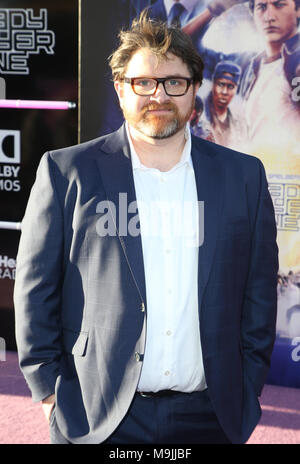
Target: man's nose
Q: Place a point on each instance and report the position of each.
(269, 13)
(160, 93)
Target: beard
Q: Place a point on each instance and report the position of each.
(158, 126)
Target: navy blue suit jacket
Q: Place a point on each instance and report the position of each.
(80, 321)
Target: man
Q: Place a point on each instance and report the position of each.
(227, 130)
(136, 333)
(270, 83)
(272, 108)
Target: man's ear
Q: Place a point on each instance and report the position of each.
(120, 90)
(196, 87)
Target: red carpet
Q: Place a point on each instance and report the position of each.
(23, 422)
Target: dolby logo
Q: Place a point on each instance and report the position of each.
(10, 146)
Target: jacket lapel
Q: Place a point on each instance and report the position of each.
(117, 177)
(209, 180)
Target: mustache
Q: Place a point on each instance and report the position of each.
(155, 106)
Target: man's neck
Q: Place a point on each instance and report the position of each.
(162, 154)
(221, 113)
(273, 49)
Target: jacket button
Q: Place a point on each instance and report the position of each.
(137, 356)
(143, 307)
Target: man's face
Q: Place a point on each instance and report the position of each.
(159, 115)
(276, 20)
(223, 91)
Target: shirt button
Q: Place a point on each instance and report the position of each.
(169, 332)
(167, 373)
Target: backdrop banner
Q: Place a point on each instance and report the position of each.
(38, 62)
(249, 101)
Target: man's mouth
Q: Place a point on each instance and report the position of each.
(271, 29)
(162, 111)
(158, 110)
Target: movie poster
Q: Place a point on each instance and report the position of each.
(249, 101)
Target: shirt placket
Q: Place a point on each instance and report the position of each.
(168, 251)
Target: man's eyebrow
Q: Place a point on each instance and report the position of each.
(276, 2)
(174, 76)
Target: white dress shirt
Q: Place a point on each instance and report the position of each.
(168, 213)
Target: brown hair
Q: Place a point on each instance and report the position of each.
(161, 40)
(252, 2)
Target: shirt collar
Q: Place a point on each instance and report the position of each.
(186, 157)
(292, 44)
(188, 5)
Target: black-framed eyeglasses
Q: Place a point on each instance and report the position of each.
(174, 86)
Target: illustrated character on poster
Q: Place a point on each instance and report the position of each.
(227, 128)
(288, 315)
(176, 12)
(269, 86)
(269, 83)
(199, 127)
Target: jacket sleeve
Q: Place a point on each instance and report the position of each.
(37, 293)
(260, 301)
